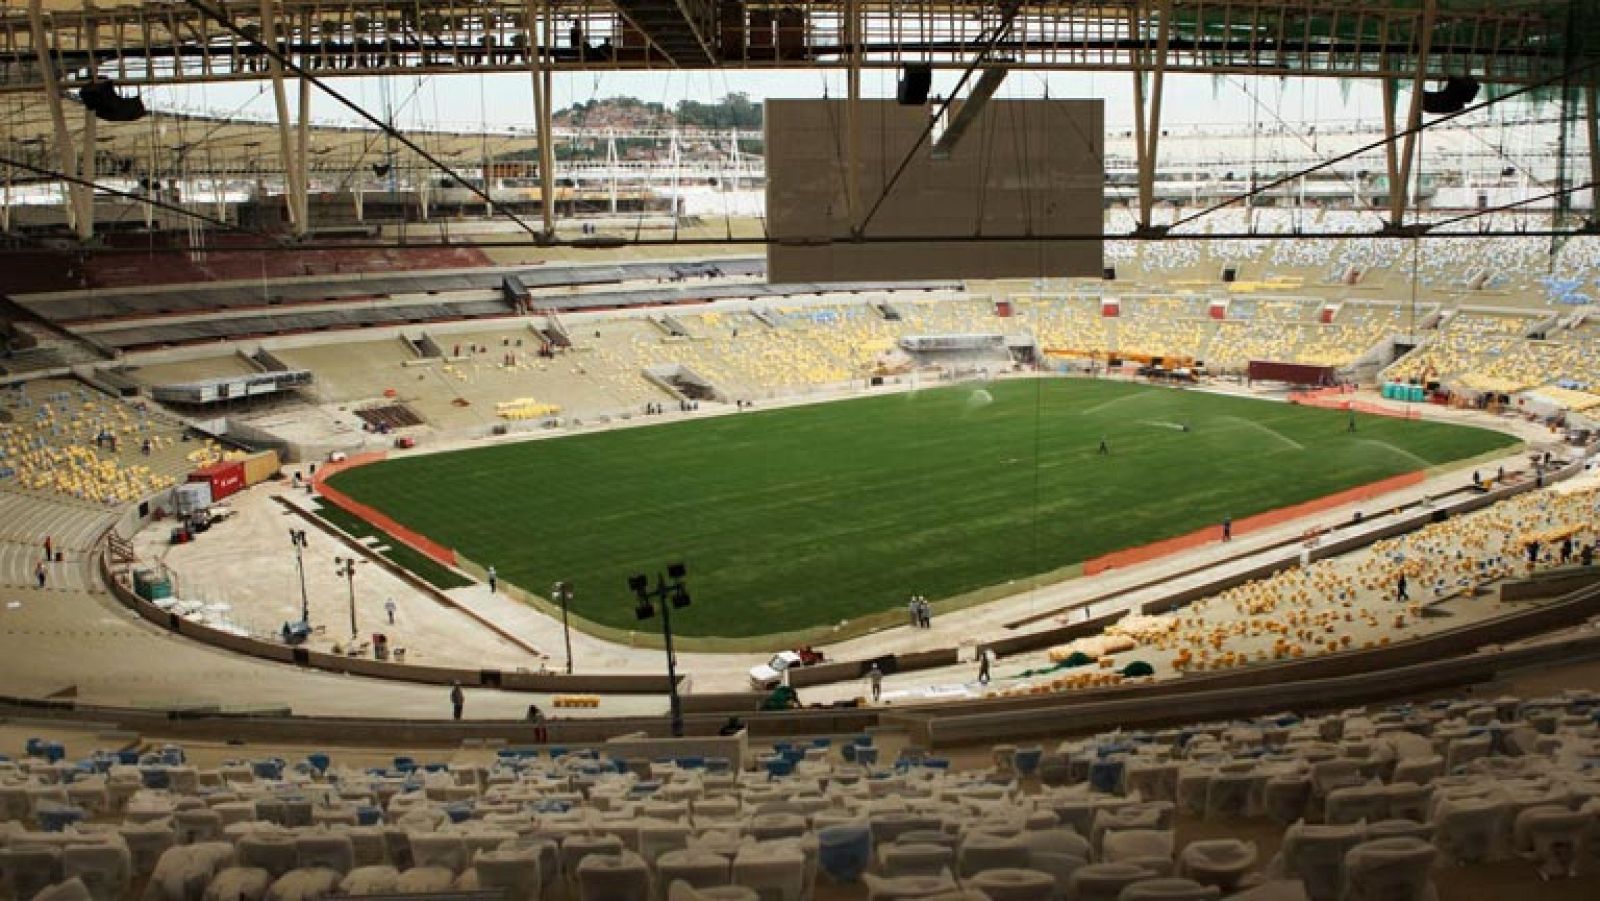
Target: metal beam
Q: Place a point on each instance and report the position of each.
(988, 83)
(852, 113)
(65, 149)
(542, 118)
(1408, 155)
(302, 160)
(1147, 110)
(1592, 120)
(291, 170)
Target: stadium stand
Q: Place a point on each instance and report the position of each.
(1490, 351)
(64, 437)
(1389, 802)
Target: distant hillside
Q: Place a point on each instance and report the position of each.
(703, 128)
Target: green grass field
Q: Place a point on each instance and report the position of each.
(790, 519)
(421, 565)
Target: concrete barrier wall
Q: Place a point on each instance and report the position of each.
(1379, 665)
(729, 702)
(735, 748)
(824, 673)
(845, 670)
(1302, 696)
(1550, 584)
(559, 683)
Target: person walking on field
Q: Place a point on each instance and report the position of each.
(1105, 447)
(458, 699)
(389, 608)
(984, 660)
(875, 676)
(925, 610)
(494, 581)
(914, 612)
(1227, 528)
(39, 573)
(1400, 592)
(1350, 425)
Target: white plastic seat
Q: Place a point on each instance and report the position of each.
(1152, 781)
(1133, 816)
(146, 843)
(424, 880)
(915, 859)
(27, 870)
(368, 848)
(1124, 845)
(184, 871)
(1355, 803)
(381, 879)
(1222, 862)
(1315, 854)
(1399, 828)
(1284, 797)
(1389, 869)
(1465, 750)
(656, 839)
(984, 851)
(683, 891)
(777, 872)
(1058, 840)
(325, 851)
(1419, 770)
(69, 890)
(202, 825)
(768, 826)
(1169, 889)
(242, 884)
(510, 869)
(305, 885)
(951, 840)
(235, 812)
(1105, 881)
(1228, 796)
(1406, 801)
(1340, 772)
(1553, 836)
(613, 877)
(714, 809)
(1470, 830)
(270, 851)
(576, 847)
(1014, 884)
(1077, 815)
(91, 795)
(699, 869)
(907, 888)
(106, 869)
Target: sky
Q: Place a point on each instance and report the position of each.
(471, 102)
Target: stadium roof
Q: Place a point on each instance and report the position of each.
(175, 41)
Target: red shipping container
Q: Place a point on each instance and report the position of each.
(225, 478)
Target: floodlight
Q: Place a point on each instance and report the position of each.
(676, 571)
(638, 582)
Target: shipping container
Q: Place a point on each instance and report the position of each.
(224, 478)
(191, 497)
(260, 467)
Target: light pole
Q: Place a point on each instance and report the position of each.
(346, 567)
(297, 537)
(562, 591)
(669, 594)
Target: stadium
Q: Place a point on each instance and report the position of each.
(615, 450)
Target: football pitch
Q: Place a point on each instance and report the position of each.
(807, 516)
